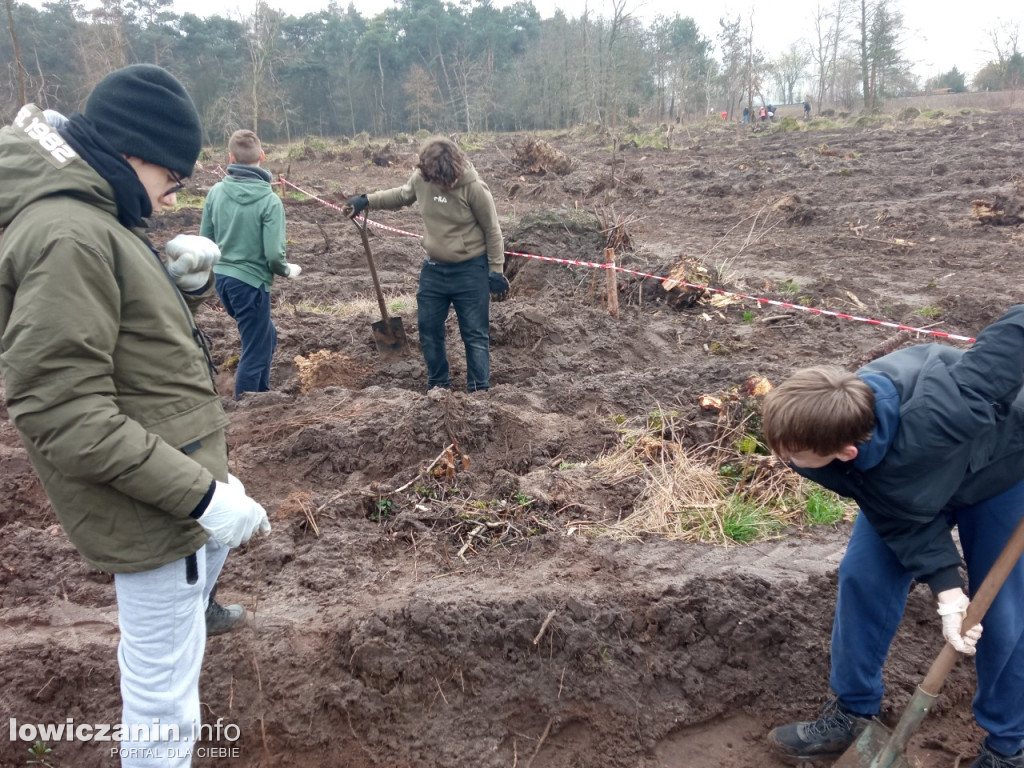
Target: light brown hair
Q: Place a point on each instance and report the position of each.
(245, 146)
(821, 409)
(441, 162)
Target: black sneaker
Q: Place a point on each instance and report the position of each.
(223, 618)
(989, 758)
(822, 739)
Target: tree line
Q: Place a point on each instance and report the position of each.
(468, 66)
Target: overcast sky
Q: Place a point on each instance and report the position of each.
(939, 36)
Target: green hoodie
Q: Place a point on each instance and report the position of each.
(460, 223)
(103, 375)
(246, 220)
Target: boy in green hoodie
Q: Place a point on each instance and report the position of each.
(246, 220)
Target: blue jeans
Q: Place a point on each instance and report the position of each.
(250, 308)
(465, 287)
(873, 589)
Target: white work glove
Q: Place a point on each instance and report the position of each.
(952, 608)
(294, 270)
(190, 258)
(232, 517)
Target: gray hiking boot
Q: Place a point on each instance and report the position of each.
(989, 758)
(223, 618)
(822, 739)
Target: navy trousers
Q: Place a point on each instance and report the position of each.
(250, 308)
(463, 286)
(873, 589)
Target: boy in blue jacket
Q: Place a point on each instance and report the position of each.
(246, 220)
(923, 439)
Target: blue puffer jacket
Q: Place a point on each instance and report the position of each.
(949, 433)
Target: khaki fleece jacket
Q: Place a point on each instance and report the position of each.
(460, 223)
(103, 373)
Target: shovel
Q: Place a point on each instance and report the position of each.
(877, 747)
(388, 333)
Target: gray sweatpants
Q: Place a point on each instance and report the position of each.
(162, 616)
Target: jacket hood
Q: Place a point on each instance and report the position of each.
(36, 162)
(468, 177)
(887, 421)
(248, 188)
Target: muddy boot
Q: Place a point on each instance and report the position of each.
(822, 739)
(222, 618)
(989, 758)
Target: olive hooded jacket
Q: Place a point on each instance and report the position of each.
(461, 223)
(103, 370)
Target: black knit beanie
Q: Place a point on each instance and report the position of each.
(143, 111)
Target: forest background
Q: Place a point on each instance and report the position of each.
(428, 65)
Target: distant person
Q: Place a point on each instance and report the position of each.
(807, 109)
(763, 114)
(110, 385)
(923, 439)
(771, 113)
(746, 114)
(465, 257)
(246, 220)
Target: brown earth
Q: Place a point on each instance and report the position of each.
(379, 637)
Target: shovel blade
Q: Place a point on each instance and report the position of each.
(868, 747)
(389, 336)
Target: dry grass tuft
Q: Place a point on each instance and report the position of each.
(721, 491)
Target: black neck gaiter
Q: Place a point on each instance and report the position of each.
(133, 203)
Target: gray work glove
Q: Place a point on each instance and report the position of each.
(953, 605)
(189, 261)
(294, 270)
(498, 285)
(231, 517)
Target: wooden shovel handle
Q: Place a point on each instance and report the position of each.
(373, 269)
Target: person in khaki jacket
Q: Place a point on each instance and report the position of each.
(465, 257)
(110, 386)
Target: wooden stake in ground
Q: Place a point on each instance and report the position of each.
(613, 283)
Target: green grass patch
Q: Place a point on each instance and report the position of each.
(823, 507)
(743, 521)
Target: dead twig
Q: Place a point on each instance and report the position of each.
(446, 451)
(544, 626)
(540, 742)
(323, 233)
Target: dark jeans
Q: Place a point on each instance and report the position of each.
(873, 589)
(250, 308)
(465, 287)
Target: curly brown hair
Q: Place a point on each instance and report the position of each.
(442, 162)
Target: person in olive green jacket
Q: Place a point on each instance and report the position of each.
(465, 257)
(109, 384)
(246, 219)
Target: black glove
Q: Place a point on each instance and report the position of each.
(359, 204)
(498, 285)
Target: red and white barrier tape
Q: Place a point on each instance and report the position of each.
(610, 265)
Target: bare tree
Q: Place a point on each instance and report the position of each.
(103, 45)
(261, 33)
(865, 31)
(22, 95)
(830, 32)
(789, 69)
